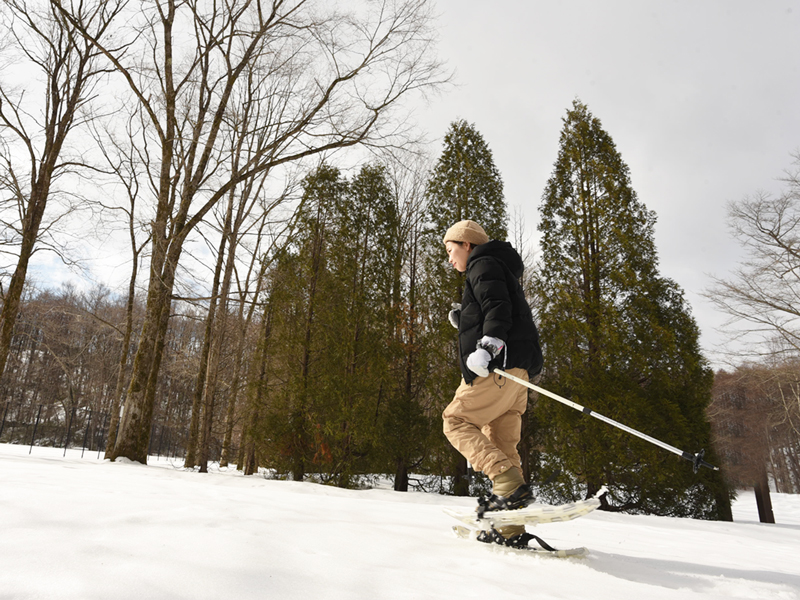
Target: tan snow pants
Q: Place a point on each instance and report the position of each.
(484, 420)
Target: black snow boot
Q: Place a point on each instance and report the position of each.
(519, 498)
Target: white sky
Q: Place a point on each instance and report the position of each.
(701, 97)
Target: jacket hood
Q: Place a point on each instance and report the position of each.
(503, 251)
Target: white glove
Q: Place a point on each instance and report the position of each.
(491, 344)
(455, 315)
(488, 348)
(478, 362)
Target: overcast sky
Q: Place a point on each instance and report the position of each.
(701, 97)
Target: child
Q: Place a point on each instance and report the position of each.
(495, 329)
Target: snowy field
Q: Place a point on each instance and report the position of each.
(83, 529)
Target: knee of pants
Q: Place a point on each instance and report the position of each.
(451, 426)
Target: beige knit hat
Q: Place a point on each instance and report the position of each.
(466, 231)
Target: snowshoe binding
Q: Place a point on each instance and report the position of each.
(518, 542)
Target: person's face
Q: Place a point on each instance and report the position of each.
(457, 255)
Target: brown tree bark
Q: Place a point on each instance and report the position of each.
(763, 498)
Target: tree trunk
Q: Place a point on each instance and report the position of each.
(239, 358)
(229, 234)
(401, 476)
(135, 426)
(208, 421)
(11, 301)
(256, 396)
(763, 500)
(123, 360)
(460, 476)
(724, 512)
(199, 403)
(298, 415)
(230, 415)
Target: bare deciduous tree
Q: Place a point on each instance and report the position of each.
(36, 121)
(329, 79)
(125, 164)
(762, 296)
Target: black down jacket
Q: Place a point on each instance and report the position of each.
(494, 304)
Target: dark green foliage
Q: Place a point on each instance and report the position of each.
(465, 184)
(341, 404)
(618, 337)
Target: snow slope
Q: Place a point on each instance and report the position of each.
(82, 528)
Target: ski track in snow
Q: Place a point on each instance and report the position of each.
(84, 529)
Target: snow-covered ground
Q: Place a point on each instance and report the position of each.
(82, 528)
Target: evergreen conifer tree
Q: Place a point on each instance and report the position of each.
(358, 333)
(302, 311)
(464, 184)
(334, 332)
(618, 338)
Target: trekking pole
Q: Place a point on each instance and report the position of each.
(696, 459)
